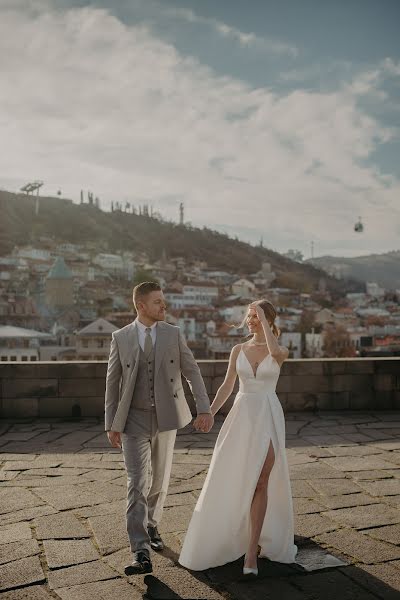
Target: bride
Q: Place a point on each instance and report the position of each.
(246, 500)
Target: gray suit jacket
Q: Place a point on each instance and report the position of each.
(172, 357)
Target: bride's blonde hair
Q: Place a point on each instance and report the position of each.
(270, 314)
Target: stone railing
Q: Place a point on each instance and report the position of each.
(73, 389)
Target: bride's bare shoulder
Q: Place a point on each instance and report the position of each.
(235, 350)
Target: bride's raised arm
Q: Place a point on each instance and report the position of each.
(280, 353)
(226, 388)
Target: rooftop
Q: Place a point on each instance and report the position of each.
(59, 270)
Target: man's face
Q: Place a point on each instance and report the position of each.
(153, 306)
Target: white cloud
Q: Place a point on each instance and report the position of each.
(244, 39)
(89, 102)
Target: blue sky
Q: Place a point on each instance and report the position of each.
(275, 119)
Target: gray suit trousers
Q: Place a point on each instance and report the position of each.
(148, 455)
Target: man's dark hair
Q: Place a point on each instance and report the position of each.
(143, 289)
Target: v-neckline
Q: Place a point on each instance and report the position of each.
(259, 364)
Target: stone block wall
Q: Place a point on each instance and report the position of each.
(73, 389)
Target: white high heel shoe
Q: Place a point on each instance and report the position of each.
(250, 571)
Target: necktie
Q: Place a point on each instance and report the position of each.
(148, 343)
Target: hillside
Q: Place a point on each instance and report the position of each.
(384, 269)
(67, 222)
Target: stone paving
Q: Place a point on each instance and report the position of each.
(62, 526)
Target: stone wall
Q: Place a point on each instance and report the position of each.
(66, 389)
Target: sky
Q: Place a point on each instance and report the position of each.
(272, 119)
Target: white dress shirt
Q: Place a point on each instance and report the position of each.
(141, 329)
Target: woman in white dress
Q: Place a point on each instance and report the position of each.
(246, 500)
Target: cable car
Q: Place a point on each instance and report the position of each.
(359, 227)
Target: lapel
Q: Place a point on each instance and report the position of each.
(133, 339)
(161, 345)
(132, 349)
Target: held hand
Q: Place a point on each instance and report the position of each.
(203, 422)
(114, 437)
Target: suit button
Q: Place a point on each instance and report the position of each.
(172, 360)
(128, 366)
(172, 381)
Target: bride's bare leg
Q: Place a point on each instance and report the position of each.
(258, 508)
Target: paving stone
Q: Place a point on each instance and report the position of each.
(299, 459)
(60, 526)
(26, 514)
(388, 487)
(361, 517)
(313, 471)
(391, 500)
(335, 487)
(390, 533)
(346, 463)
(180, 499)
(21, 572)
(16, 550)
(186, 471)
(107, 508)
(88, 494)
(101, 590)
(331, 585)
(357, 438)
(311, 525)
(84, 573)
(302, 489)
(304, 506)
(360, 547)
(8, 475)
(195, 483)
(201, 450)
(15, 533)
(386, 445)
(347, 500)
(176, 582)
(20, 436)
(324, 440)
(195, 459)
(23, 465)
(102, 475)
(32, 592)
(45, 482)
(5, 456)
(273, 589)
(366, 475)
(354, 450)
(382, 579)
(110, 532)
(54, 472)
(11, 501)
(61, 553)
(176, 518)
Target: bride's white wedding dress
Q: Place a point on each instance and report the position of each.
(219, 529)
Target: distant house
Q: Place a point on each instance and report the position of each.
(19, 344)
(243, 288)
(93, 341)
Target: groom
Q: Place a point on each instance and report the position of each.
(144, 406)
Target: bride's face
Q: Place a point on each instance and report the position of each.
(253, 322)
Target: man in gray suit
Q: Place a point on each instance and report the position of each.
(144, 406)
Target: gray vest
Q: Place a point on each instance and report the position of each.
(143, 393)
